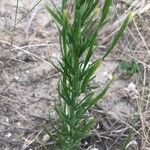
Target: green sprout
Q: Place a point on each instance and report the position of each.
(130, 68)
(78, 31)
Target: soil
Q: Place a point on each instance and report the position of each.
(28, 82)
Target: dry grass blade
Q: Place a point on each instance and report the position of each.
(14, 29)
(28, 12)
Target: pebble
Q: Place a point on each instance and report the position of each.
(52, 103)
(8, 135)
(98, 126)
(7, 120)
(16, 78)
(45, 138)
(18, 124)
(19, 55)
(27, 71)
(1, 64)
(85, 143)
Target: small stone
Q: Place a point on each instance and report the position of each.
(18, 124)
(52, 103)
(7, 120)
(98, 126)
(27, 71)
(54, 55)
(45, 138)
(8, 135)
(105, 73)
(1, 64)
(16, 78)
(19, 55)
(131, 86)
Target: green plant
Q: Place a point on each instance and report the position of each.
(130, 67)
(78, 31)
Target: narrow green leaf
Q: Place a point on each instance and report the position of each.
(119, 34)
(82, 2)
(55, 16)
(64, 71)
(93, 101)
(57, 68)
(82, 105)
(89, 10)
(64, 4)
(68, 65)
(89, 73)
(66, 87)
(86, 98)
(64, 94)
(56, 9)
(88, 44)
(87, 126)
(105, 11)
(64, 120)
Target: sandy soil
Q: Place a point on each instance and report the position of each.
(28, 82)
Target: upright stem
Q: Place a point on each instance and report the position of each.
(77, 46)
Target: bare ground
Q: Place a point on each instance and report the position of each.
(28, 90)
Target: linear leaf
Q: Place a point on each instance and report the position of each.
(119, 34)
(92, 102)
(55, 16)
(89, 73)
(105, 10)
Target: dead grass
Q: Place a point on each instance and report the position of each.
(21, 120)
